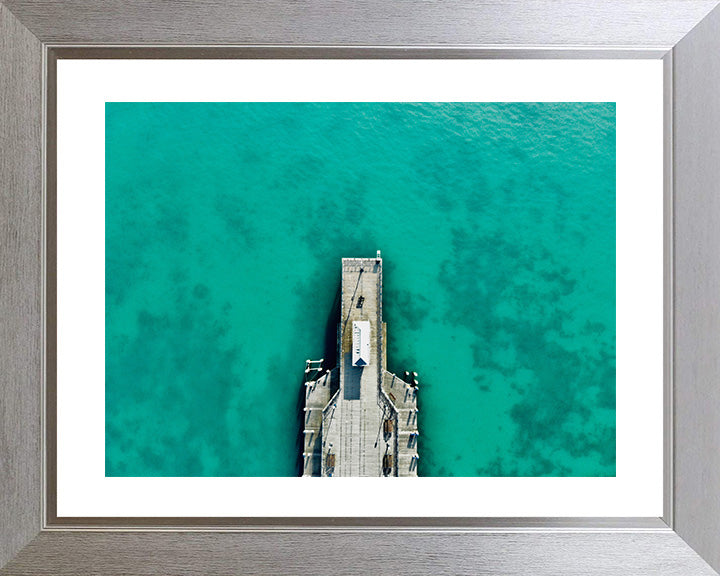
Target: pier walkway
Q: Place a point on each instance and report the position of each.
(368, 422)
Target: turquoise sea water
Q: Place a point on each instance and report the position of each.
(225, 226)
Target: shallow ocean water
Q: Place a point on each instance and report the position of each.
(225, 226)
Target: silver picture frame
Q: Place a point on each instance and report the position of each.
(685, 34)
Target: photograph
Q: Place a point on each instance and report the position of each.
(360, 289)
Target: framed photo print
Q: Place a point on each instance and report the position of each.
(439, 294)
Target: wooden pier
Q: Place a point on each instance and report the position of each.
(360, 420)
